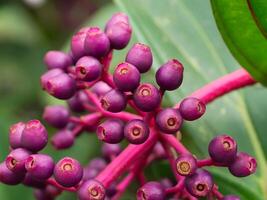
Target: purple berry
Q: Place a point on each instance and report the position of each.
(230, 197)
(30, 181)
(199, 184)
(96, 43)
(151, 191)
(140, 56)
(92, 190)
(243, 165)
(159, 151)
(117, 18)
(34, 136)
(76, 103)
(147, 97)
(126, 77)
(114, 101)
(8, 177)
(166, 183)
(136, 131)
(192, 108)
(170, 75)
(111, 131)
(90, 173)
(110, 150)
(119, 34)
(15, 161)
(169, 120)
(97, 163)
(48, 75)
(186, 164)
(223, 149)
(40, 166)
(15, 132)
(100, 88)
(68, 172)
(77, 43)
(57, 59)
(63, 139)
(57, 115)
(61, 86)
(88, 68)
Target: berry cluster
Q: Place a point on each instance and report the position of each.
(97, 102)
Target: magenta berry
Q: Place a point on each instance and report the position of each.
(92, 190)
(136, 131)
(56, 115)
(186, 165)
(231, 197)
(126, 77)
(39, 166)
(34, 136)
(76, 103)
(57, 59)
(169, 120)
(68, 172)
(110, 150)
(48, 75)
(96, 43)
(147, 97)
(114, 101)
(192, 108)
(77, 43)
(9, 177)
(61, 86)
(31, 181)
(88, 68)
(170, 75)
(111, 131)
(151, 191)
(15, 133)
(166, 183)
(15, 161)
(98, 163)
(90, 173)
(100, 88)
(140, 55)
(117, 18)
(199, 184)
(243, 165)
(63, 139)
(223, 149)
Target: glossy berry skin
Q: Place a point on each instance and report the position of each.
(111, 131)
(116, 18)
(186, 165)
(192, 108)
(170, 75)
(169, 120)
(147, 97)
(15, 132)
(34, 136)
(100, 88)
(140, 55)
(243, 165)
(96, 43)
(68, 172)
(61, 86)
(126, 77)
(57, 59)
(151, 191)
(91, 190)
(15, 161)
(56, 115)
(30, 181)
(136, 131)
(119, 34)
(230, 197)
(88, 68)
(39, 166)
(114, 101)
(63, 139)
(48, 75)
(76, 102)
(8, 177)
(223, 149)
(199, 184)
(77, 43)
(110, 150)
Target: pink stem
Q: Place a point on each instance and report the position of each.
(208, 162)
(177, 188)
(52, 181)
(174, 142)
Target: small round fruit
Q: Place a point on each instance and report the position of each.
(57, 59)
(76, 103)
(136, 131)
(56, 115)
(114, 101)
(151, 191)
(192, 108)
(92, 190)
(77, 43)
(63, 139)
(186, 165)
(48, 75)
(15, 132)
(8, 177)
(110, 150)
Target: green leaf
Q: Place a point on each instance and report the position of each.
(243, 24)
(185, 29)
